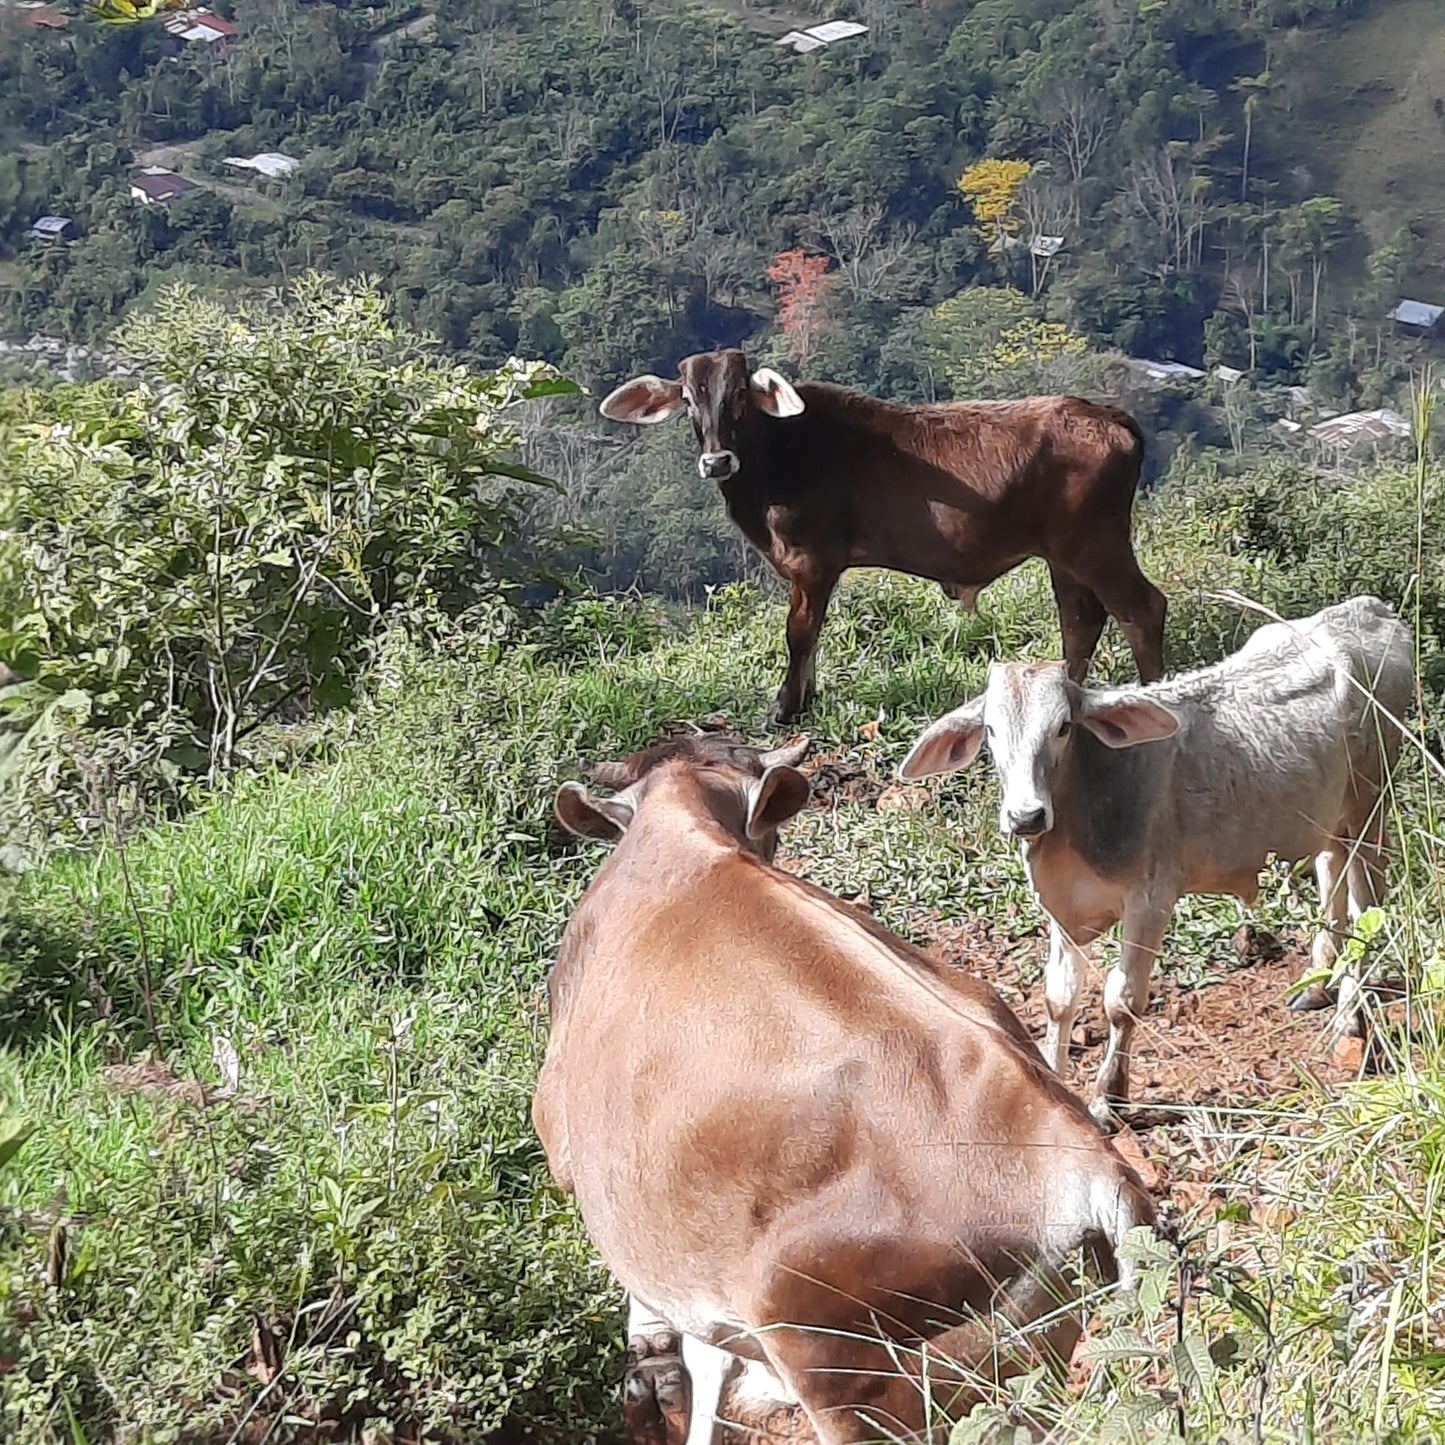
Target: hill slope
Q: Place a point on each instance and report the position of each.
(1361, 108)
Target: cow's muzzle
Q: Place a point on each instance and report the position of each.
(1026, 823)
(717, 466)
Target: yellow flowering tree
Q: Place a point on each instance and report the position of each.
(991, 187)
(990, 341)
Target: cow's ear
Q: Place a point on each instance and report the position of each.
(643, 402)
(585, 816)
(951, 743)
(774, 394)
(1124, 721)
(781, 793)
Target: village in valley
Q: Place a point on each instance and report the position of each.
(165, 176)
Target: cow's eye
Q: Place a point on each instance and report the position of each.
(1064, 728)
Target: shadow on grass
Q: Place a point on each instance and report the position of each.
(52, 983)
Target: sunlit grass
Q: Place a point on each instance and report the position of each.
(370, 935)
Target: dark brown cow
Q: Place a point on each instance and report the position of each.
(821, 479)
(796, 1137)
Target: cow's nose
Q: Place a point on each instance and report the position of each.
(716, 466)
(1028, 823)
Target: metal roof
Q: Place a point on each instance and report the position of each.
(160, 184)
(1161, 369)
(1417, 313)
(837, 30)
(1357, 426)
(269, 163)
(815, 37)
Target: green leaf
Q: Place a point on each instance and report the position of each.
(551, 386)
(519, 473)
(13, 1134)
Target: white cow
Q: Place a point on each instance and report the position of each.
(1127, 799)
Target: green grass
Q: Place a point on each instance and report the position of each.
(370, 935)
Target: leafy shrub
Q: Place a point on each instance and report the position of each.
(200, 553)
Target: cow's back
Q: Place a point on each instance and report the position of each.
(733, 1069)
(1274, 738)
(956, 491)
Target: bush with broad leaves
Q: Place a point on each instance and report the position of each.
(189, 556)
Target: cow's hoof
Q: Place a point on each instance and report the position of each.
(1308, 1000)
(672, 1387)
(641, 1413)
(656, 1391)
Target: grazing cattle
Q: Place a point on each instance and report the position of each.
(796, 1137)
(820, 479)
(1127, 799)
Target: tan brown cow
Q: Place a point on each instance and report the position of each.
(793, 1135)
(820, 479)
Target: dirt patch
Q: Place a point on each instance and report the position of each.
(842, 777)
(1232, 1041)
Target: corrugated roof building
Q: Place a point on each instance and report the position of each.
(156, 186)
(1417, 315)
(1357, 428)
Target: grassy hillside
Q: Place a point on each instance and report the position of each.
(1361, 109)
(277, 1057)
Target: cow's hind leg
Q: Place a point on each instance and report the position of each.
(807, 607)
(1331, 868)
(1126, 997)
(1366, 885)
(1081, 622)
(1137, 605)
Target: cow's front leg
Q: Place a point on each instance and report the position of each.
(1126, 998)
(657, 1389)
(1064, 976)
(806, 609)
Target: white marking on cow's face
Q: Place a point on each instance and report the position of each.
(1028, 716)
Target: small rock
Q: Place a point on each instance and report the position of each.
(1256, 945)
(1349, 1053)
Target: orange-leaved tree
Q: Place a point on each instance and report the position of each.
(803, 284)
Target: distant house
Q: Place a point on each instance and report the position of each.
(200, 25)
(817, 37)
(1228, 374)
(266, 163)
(1359, 429)
(1417, 318)
(1156, 373)
(1046, 247)
(53, 228)
(156, 186)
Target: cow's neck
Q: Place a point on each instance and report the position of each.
(1102, 802)
(683, 826)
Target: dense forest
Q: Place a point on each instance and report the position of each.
(609, 185)
(605, 184)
